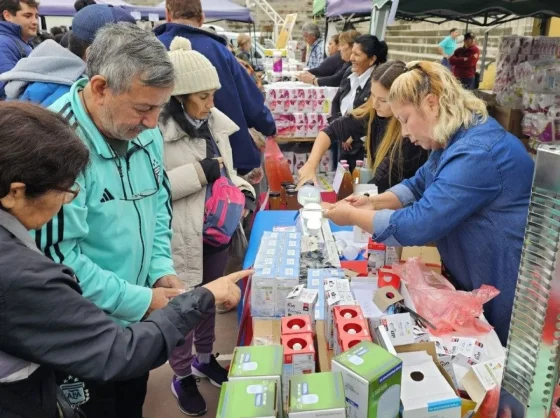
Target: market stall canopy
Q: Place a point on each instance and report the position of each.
(477, 12)
(213, 9)
(319, 7)
(222, 10)
(345, 7)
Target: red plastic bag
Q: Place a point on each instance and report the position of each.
(276, 166)
(436, 299)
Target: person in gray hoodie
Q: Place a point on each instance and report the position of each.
(49, 71)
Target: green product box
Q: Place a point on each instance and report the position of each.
(264, 361)
(372, 381)
(317, 395)
(248, 398)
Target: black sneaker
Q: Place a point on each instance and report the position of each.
(212, 371)
(190, 400)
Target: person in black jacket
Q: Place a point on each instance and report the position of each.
(320, 76)
(391, 157)
(46, 323)
(367, 53)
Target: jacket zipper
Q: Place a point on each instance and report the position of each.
(127, 158)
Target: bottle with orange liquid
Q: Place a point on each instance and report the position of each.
(347, 186)
(276, 166)
(356, 172)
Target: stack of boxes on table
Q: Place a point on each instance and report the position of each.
(300, 110)
(334, 347)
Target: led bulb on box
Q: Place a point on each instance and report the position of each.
(297, 346)
(296, 327)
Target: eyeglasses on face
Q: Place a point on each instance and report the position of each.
(71, 193)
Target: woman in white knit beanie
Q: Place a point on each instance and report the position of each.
(209, 200)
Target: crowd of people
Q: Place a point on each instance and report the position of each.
(125, 190)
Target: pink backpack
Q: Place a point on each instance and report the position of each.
(223, 211)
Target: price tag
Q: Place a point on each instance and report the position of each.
(136, 15)
(338, 178)
(153, 17)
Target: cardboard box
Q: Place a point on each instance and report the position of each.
(302, 301)
(400, 328)
(315, 280)
(376, 259)
(482, 378)
(430, 256)
(297, 359)
(336, 299)
(299, 324)
(317, 395)
(324, 355)
(372, 379)
(248, 398)
(510, 119)
(348, 330)
(425, 392)
(266, 331)
(264, 362)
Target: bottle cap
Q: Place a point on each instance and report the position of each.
(274, 194)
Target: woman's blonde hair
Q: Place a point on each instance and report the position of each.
(457, 106)
(348, 37)
(243, 39)
(391, 144)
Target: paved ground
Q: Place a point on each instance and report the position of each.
(160, 402)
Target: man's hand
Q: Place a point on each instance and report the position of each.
(340, 214)
(161, 297)
(306, 77)
(225, 289)
(169, 282)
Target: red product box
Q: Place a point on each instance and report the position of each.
(348, 312)
(297, 324)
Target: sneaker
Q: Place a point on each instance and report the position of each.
(212, 371)
(191, 402)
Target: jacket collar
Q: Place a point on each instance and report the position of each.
(218, 123)
(11, 29)
(11, 224)
(92, 134)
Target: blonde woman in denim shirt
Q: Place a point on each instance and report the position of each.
(471, 197)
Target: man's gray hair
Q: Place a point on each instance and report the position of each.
(312, 29)
(122, 52)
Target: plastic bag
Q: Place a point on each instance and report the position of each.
(436, 299)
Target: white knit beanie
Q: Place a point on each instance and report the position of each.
(193, 71)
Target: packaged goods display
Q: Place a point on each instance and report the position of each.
(249, 398)
(300, 110)
(299, 358)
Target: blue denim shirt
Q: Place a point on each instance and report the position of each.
(472, 199)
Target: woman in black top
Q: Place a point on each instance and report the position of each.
(391, 157)
(332, 77)
(368, 52)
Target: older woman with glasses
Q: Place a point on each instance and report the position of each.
(47, 324)
(471, 197)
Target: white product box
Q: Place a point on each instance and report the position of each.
(376, 259)
(391, 256)
(300, 118)
(482, 378)
(263, 296)
(300, 132)
(290, 156)
(288, 278)
(326, 163)
(400, 328)
(469, 347)
(311, 94)
(425, 392)
(300, 160)
(302, 301)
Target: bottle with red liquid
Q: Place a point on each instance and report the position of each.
(276, 166)
(347, 185)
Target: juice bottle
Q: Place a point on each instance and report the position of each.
(356, 172)
(346, 187)
(276, 166)
(291, 199)
(274, 201)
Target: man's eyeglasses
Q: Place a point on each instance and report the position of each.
(71, 193)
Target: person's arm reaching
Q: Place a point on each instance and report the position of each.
(47, 321)
(333, 80)
(60, 240)
(454, 196)
(338, 130)
(256, 113)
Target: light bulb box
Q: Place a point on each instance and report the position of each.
(297, 324)
(263, 362)
(372, 381)
(248, 398)
(299, 358)
(302, 301)
(317, 395)
(425, 391)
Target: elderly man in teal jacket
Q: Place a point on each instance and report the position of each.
(116, 234)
